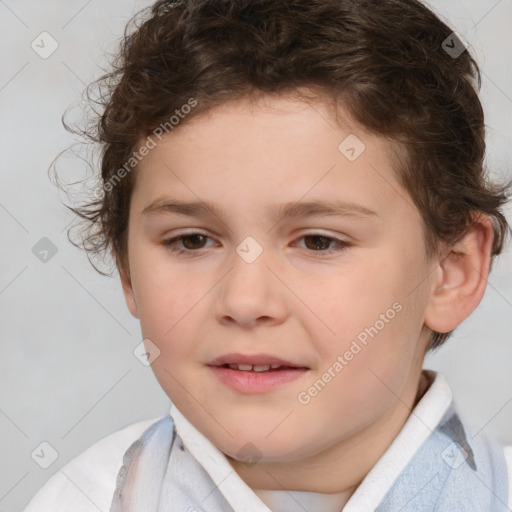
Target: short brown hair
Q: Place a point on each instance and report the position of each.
(384, 60)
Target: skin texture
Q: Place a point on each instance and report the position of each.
(294, 301)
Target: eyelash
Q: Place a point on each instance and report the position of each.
(170, 244)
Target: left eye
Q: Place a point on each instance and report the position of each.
(322, 240)
(194, 241)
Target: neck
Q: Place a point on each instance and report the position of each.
(341, 467)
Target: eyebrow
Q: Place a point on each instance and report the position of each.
(292, 210)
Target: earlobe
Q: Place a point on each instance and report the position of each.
(128, 293)
(462, 278)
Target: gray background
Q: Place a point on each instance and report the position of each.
(69, 376)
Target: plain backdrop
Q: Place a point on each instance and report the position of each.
(69, 376)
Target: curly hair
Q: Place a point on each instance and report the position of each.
(388, 62)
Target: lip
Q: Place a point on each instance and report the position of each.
(254, 359)
(256, 382)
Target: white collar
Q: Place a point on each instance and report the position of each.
(422, 421)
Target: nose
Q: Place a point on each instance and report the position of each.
(251, 293)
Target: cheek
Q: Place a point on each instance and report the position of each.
(163, 291)
(170, 318)
(373, 324)
(355, 300)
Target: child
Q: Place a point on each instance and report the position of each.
(294, 196)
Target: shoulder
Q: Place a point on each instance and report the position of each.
(87, 483)
(508, 459)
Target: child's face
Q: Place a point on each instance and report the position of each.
(293, 301)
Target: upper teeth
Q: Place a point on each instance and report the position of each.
(256, 368)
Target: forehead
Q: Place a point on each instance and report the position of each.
(269, 151)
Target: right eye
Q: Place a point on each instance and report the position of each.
(193, 240)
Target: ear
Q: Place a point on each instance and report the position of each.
(461, 277)
(127, 289)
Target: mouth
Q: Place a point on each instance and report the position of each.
(255, 373)
(259, 368)
(254, 362)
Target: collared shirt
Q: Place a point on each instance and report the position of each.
(87, 483)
